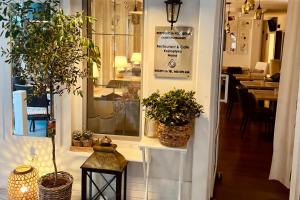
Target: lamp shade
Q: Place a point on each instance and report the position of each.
(120, 62)
(95, 70)
(136, 58)
(22, 183)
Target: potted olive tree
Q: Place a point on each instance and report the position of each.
(45, 46)
(174, 111)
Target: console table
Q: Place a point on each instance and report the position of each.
(148, 144)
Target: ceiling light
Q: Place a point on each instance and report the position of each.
(258, 12)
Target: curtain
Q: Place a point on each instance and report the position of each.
(287, 98)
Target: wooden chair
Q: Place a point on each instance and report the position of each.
(232, 95)
(251, 111)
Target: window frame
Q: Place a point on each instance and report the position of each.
(87, 7)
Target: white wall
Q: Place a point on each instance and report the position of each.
(249, 59)
(164, 170)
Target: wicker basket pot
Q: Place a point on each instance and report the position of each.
(63, 192)
(77, 143)
(87, 143)
(174, 136)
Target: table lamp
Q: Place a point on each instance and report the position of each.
(136, 58)
(22, 183)
(120, 65)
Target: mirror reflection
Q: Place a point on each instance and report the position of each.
(114, 91)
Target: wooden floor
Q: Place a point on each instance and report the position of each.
(245, 163)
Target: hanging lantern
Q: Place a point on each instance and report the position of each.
(258, 12)
(173, 9)
(105, 170)
(22, 183)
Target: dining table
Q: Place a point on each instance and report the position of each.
(259, 84)
(270, 95)
(249, 76)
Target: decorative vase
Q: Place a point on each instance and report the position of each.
(77, 143)
(62, 189)
(87, 143)
(150, 128)
(95, 141)
(174, 136)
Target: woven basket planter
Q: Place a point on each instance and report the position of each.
(63, 192)
(174, 136)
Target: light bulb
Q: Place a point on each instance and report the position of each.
(24, 189)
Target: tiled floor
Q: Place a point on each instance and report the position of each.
(40, 128)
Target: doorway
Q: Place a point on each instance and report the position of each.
(251, 61)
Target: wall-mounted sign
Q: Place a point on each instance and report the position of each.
(173, 52)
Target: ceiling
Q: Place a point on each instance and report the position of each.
(265, 4)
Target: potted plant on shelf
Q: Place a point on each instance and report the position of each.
(87, 138)
(45, 45)
(174, 112)
(76, 138)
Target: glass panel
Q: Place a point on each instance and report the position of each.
(114, 90)
(30, 113)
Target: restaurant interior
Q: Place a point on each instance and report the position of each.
(252, 54)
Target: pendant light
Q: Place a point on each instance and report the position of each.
(136, 14)
(245, 8)
(258, 12)
(251, 4)
(248, 6)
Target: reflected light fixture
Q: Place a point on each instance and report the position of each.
(258, 12)
(120, 65)
(136, 58)
(22, 183)
(173, 9)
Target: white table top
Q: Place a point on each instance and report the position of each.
(153, 143)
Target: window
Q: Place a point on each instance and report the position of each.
(113, 94)
(30, 112)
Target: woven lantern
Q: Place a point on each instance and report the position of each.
(22, 183)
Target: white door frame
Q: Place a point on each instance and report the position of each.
(295, 176)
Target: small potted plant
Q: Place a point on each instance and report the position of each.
(87, 138)
(174, 112)
(77, 138)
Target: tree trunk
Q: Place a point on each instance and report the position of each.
(52, 132)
